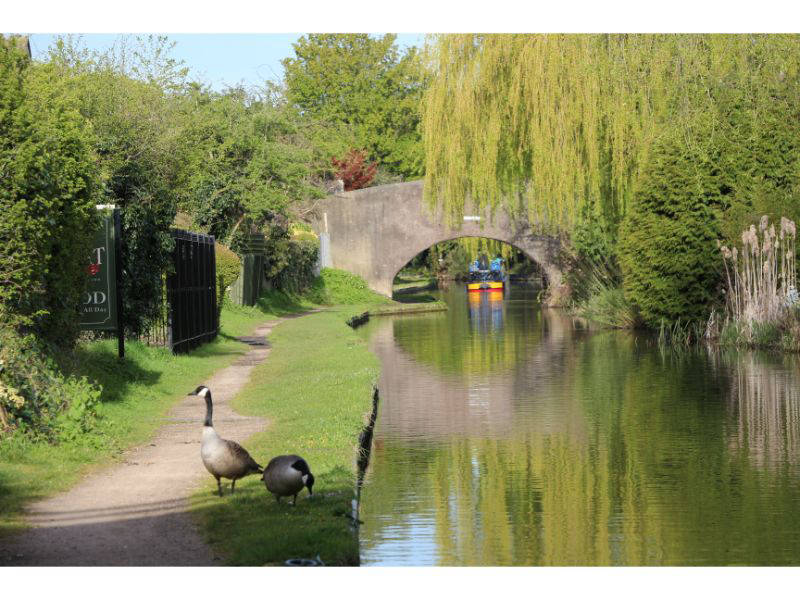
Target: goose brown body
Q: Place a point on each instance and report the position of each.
(223, 458)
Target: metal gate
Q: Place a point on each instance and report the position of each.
(192, 292)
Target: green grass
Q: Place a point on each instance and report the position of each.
(137, 394)
(315, 388)
(608, 307)
(413, 280)
(413, 304)
(782, 336)
(335, 287)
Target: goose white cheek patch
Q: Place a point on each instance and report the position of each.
(305, 479)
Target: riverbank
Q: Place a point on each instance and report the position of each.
(316, 391)
(412, 282)
(137, 394)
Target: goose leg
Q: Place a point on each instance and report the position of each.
(277, 499)
(294, 502)
(219, 487)
(233, 483)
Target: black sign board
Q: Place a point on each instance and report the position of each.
(100, 300)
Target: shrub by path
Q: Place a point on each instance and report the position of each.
(135, 513)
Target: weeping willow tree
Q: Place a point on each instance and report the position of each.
(491, 247)
(558, 127)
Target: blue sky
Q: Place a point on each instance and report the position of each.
(220, 59)
(241, 52)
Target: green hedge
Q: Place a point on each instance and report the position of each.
(47, 201)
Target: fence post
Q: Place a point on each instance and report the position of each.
(118, 276)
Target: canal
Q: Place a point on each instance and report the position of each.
(507, 435)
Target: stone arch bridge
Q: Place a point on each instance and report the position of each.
(374, 232)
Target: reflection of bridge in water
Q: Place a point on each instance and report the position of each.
(421, 401)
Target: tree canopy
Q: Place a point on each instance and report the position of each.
(248, 161)
(366, 83)
(559, 127)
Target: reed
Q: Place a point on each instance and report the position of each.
(761, 280)
(598, 295)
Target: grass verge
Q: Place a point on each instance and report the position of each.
(409, 283)
(136, 396)
(315, 388)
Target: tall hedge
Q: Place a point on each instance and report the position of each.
(667, 243)
(136, 123)
(47, 201)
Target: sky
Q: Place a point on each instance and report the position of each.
(250, 38)
(219, 59)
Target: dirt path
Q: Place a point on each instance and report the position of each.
(135, 512)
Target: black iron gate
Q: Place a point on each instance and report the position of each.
(192, 292)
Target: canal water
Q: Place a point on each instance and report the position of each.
(507, 435)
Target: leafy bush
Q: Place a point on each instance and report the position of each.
(667, 248)
(36, 397)
(248, 162)
(354, 170)
(302, 253)
(228, 266)
(50, 187)
(147, 247)
(593, 241)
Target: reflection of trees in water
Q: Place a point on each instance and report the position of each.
(764, 405)
(639, 457)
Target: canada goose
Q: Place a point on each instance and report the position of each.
(286, 475)
(222, 458)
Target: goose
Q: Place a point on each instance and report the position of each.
(286, 475)
(222, 458)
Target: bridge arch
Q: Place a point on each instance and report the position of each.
(374, 232)
(404, 259)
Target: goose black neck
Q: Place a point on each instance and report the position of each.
(209, 410)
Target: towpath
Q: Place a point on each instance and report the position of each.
(136, 511)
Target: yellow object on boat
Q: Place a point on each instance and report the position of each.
(484, 286)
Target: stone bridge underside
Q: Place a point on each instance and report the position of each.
(374, 232)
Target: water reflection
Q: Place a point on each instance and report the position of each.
(532, 443)
(764, 409)
(486, 311)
